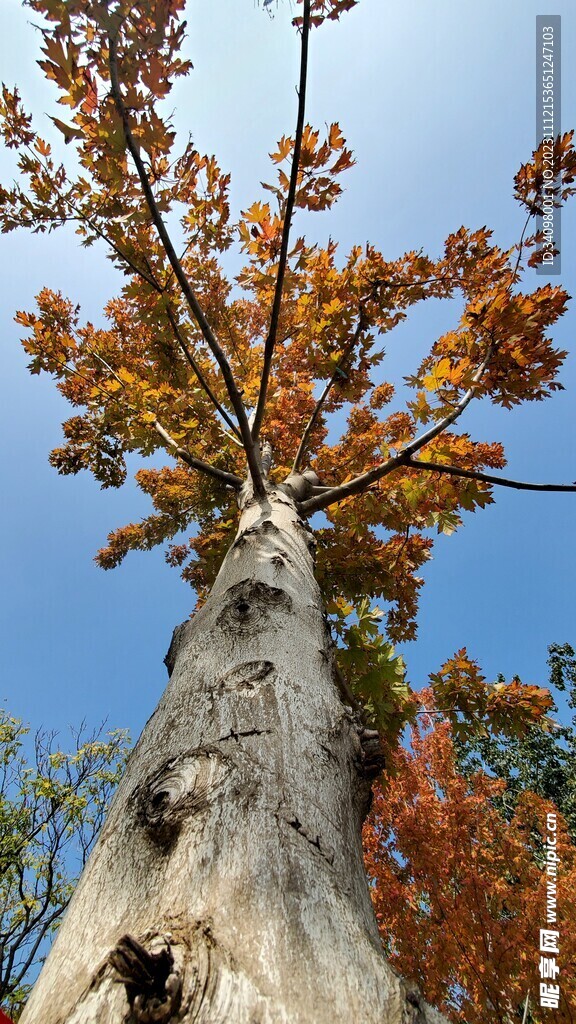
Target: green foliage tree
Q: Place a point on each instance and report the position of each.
(539, 761)
(51, 810)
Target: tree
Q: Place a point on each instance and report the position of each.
(228, 881)
(539, 761)
(50, 815)
(457, 864)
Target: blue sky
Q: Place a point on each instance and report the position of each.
(437, 102)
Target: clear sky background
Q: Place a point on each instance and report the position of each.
(437, 101)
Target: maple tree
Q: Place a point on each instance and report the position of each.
(239, 380)
(457, 863)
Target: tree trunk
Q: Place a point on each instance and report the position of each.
(228, 884)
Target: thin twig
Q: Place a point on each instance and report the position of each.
(346, 690)
(83, 218)
(520, 246)
(401, 549)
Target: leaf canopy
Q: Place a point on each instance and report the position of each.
(289, 353)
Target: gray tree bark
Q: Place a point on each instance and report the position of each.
(228, 884)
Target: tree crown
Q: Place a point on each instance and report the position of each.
(276, 372)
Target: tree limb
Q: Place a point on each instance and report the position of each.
(290, 200)
(43, 929)
(148, 276)
(192, 362)
(230, 479)
(154, 284)
(187, 291)
(475, 474)
(312, 421)
(145, 275)
(200, 377)
(362, 482)
(347, 351)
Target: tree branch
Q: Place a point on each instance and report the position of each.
(347, 351)
(187, 291)
(148, 276)
(83, 218)
(474, 474)
(362, 482)
(290, 200)
(230, 479)
(192, 362)
(520, 246)
(312, 421)
(200, 377)
(43, 929)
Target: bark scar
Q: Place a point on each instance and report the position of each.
(183, 786)
(417, 1008)
(232, 735)
(245, 676)
(373, 758)
(178, 637)
(314, 841)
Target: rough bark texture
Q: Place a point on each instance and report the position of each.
(228, 883)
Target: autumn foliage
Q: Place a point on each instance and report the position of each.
(459, 888)
(286, 357)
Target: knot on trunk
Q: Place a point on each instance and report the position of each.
(183, 786)
(153, 987)
(249, 602)
(244, 677)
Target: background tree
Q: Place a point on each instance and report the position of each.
(255, 759)
(50, 813)
(539, 761)
(458, 873)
